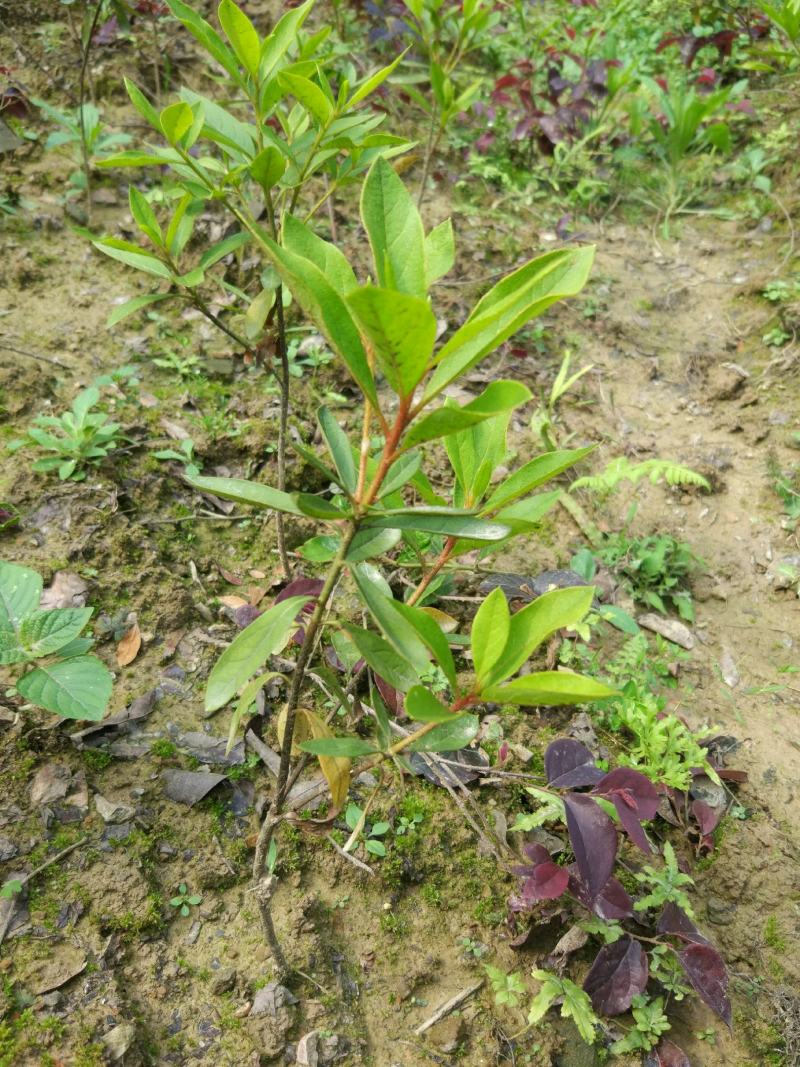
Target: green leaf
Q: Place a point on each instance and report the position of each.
(400, 633)
(490, 629)
(130, 307)
(395, 231)
(400, 330)
(317, 507)
(575, 1004)
(422, 706)
(447, 736)
(20, 592)
(370, 84)
(44, 632)
(223, 248)
(440, 251)
(244, 492)
(339, 448)
(320, 549)
(532, 475)
(309, 95)
(242, 35)
(321, 302)
(301, 239)
(432, 636)
(11, 651)
(401, 471)
(256, 314)
(384, 660)
(133, 256)
(268, 167)
(377, 848)
(77, 688)
(246, 700)
(144, 216)
(370, 543)
(532, 625)
(444, 521)
(251, 649)
(283, 35)
(176, 120)
(338, 746)
(208, 37)
(507, 307)
(497, 398)
(142, 104)
(548, 688)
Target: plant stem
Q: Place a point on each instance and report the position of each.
(86, 48)
(434, 134)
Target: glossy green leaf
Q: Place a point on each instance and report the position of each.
(496, 399)
(383, 659)
(77, 688)
(327, 310)
(317, 507)
(247, 699)
(351, 747)
(489, 634)
(400, 472)
(532, 475)
(395, 231)
(400, 634)
(422, 706)
(44, 632)
(309, 95)
(432, 636)
(130, 307)
(447, 736)
(399, 329)
(548, 688)
(250, 650)
(370, 84)
(206, 35)
(283, 35)
(223, 248)
(176, 120)
(507, 307)
(268, 168)
(301, 239)
(440, 251)
(320, 549)
(20, 591)
(133, 256)
(535, 623)
(142, 105)
(444, 521)
(242, 35)
(340, 449)
(370, 543)
(144, 216)
(244, 492)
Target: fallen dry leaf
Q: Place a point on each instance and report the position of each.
(175, 430)
(229, 576)
(256, 594)
(128, 648)
(233, 601)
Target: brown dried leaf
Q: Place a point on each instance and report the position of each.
(128, 648)
(233, 601)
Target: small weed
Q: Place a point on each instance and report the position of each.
(184, 901)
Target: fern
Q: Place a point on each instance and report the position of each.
(622, 470)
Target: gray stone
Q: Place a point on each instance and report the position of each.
(671, 629)
(223, 981)
(119, 1040)
(112, 811)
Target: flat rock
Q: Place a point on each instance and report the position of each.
(223, 981)
(671, 629)
(118, 1041)
(112, 811)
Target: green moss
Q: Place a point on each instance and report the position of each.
(772, 935)
(95, 760)
(163, 749)
(394, 924)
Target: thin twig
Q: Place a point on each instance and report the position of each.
(448, 1006)
(33, 355)
(350, 857)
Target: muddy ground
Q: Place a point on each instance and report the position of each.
(674, 329)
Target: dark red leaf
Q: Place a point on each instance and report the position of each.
(708, 975)
(569, 765)
(392, 698)
(731, 775)
(547, 881)
(299, 587)
(635, 798)
(594, 841)
(667, 1055)
(618, 975)
(611, 903)
(707, 817)
(676, 922)
(536, 853)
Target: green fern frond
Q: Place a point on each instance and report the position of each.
(622, 470)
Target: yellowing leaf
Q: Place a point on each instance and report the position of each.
(309, 726)
(128, 648)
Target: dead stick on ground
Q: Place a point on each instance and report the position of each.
(36, 871)
(450, 1005)
(32, 355)
(350, 857)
